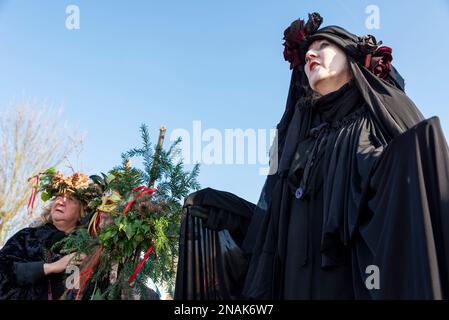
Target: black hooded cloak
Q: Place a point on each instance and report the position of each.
(362, 185)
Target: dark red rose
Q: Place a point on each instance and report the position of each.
(292, 55)
(380, 62)
(295, 34)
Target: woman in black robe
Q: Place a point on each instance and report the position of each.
(31, 268)
(358, 207)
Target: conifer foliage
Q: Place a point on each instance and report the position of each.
(133, 233)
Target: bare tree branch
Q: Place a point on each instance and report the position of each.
(32, 139)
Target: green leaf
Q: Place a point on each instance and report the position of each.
(110, 178)
(45, 196)
(129, 230)
(51, 170)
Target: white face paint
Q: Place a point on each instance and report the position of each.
(326, 67)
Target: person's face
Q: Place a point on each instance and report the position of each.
(66, 211)
(326, 67)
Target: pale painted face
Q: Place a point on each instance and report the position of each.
(326, 67)
(65, 212)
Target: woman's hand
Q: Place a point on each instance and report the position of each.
(61, 265)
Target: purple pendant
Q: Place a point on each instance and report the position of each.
(299, 193)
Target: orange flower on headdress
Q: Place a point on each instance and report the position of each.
(80, 180)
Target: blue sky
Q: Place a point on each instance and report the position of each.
(176, 62)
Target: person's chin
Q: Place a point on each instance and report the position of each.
(316, 84)
(58, 217)
(316, 78)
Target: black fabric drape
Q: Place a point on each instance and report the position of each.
(211, 263)
(404, 218)
(326, 173)
(399, 227)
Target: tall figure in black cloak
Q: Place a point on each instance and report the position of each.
(358, 207)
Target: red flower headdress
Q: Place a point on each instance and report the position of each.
(294, 36)
(377, 58)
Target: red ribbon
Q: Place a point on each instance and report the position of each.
(145, 257)
(144, 191)
(88, 273)
(33, 196)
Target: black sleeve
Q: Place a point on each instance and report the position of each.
(28, 272)
(403, 228)
(211, 265)
(14, 258)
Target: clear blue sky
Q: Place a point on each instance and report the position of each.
(173, 62)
